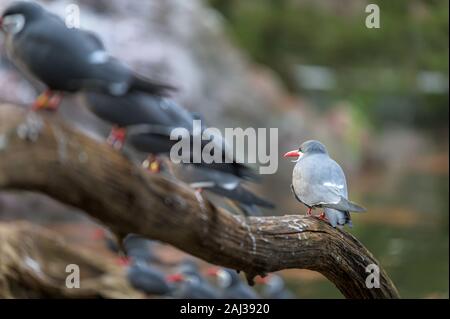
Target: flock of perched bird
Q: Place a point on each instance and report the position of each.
(147, 272)
(71, 60)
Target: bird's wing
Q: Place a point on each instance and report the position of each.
(319, 180)
(295, 194)
(69, 59)
(96, 42)
(149, 280)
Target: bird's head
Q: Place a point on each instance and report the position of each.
(225, 277)
(270, 280)
(15, 16)
(309, 147)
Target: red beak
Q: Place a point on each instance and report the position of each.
(175, 278)
(295, 153)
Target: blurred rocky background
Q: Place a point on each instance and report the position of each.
(378, 98)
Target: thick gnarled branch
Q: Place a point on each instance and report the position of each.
(40, 153)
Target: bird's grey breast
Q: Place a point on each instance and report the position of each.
(317, 179)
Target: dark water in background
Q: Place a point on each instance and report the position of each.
(412, 246)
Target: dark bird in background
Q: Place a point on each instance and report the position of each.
(148, 278)
(274, 287)
(65, 59)
(142, 271)
(142, 264)
(231, 285)
(72, 60)
(110, 242)
(319, 182)
(134, 246)
(146, 123)
(190, 284)
(140, 248)
(225, 185)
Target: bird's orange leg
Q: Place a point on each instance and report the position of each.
(152, 164)
(42, 100)
(54, 102)
(117, 137)
(123, 261)
(323, 217)
(48, 100)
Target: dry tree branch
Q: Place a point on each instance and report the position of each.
(40, 153)
(33, 264)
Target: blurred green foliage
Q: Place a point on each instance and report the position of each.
(413, 37)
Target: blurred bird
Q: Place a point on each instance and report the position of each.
(319, 182)
(141, 264)
(147, 278)
(110, 242)
(65, 59)
(228, 186)
(275, 287)
(134, 247)
(190, 284)
(71, 60)
(140, 248)
(231, 284)
(147, 122)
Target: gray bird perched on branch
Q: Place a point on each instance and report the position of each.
(319, 182)
(65, 59)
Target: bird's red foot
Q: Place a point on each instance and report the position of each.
(54, 102)
(323, 217)
(123, 261)
(309, 213)
(117, 137)
(152, 164)
(48, 100)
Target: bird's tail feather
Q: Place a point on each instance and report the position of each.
(243, 196)
(338, 218)
(247, 173)
(346, 206)
(152, 87)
